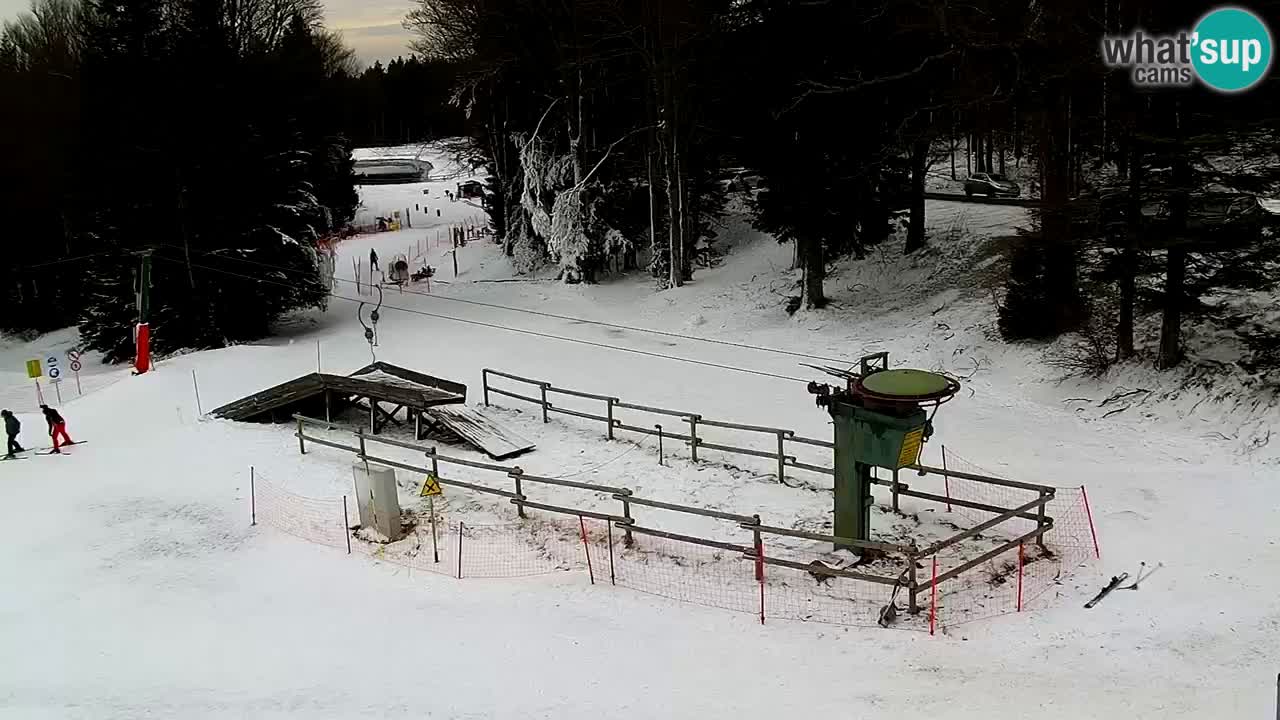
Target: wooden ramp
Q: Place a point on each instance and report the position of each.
(483, 432)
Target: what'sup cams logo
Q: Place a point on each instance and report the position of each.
(1228, 50)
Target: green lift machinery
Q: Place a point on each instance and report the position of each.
(882, 419)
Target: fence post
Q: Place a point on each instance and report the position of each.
(460, 526)
(582, 525)
(693, 436)
(946, 479)
(360, 437)
(302, 445)
(1020, 564)
(933, 596)
(253, 499)
(484, 382)
(1040, 519)
(1097, 551)
(782, 457)
(627, 539)
(346, 524)
(895, 493)
(515, 473)
(611, 401)
(612, 579)
(543, 387)
(912, 588)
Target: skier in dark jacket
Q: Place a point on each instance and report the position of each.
(57, 428)
(373, 260)
(11, 428)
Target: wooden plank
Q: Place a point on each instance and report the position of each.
(982, 478)
(741, 519)
(569, 511)
(483, 432)
(418, 378)
(833, 539)
(686, 538)
(274, 397)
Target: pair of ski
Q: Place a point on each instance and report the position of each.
(1117, 579)
(40, 451)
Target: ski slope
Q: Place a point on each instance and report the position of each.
(133, 584)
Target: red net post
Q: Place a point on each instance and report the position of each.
(613, 578)
(946, 481)
(1092, 530)
(1020, 566)
(933, 598)
(760, 570)
(586, 550)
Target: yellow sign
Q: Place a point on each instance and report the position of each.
(911, 447)
(33, 369)
(431, 486)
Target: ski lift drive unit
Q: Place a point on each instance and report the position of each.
(881, 420)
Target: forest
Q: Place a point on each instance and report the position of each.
(609, 129)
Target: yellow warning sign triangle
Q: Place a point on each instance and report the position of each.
(431, 486)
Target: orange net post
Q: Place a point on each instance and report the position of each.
(933, 597)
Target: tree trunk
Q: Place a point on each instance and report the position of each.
(1129, 259)
(1171, 322)
(673, 188)
(815, 272)
(1176, 260)
(919, 166)
(1061, 278)
(953, 145)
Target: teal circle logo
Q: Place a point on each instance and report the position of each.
(1231, 49)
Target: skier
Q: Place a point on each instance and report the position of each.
(11, 428)
(373, 260)
(57, 427)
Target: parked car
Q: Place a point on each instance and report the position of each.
(991, 184)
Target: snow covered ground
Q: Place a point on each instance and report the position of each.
(131, 583)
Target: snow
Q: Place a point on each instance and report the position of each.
(134, 585)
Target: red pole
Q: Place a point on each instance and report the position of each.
(946, 480)
(582, 525)
(760, 573)
(1020, 565)
(612, 579)
(1093, 531)
(933, 596)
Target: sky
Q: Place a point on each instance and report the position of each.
(371, 27)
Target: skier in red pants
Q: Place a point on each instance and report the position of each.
(57, 427)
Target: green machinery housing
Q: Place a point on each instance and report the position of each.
(881, 420)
